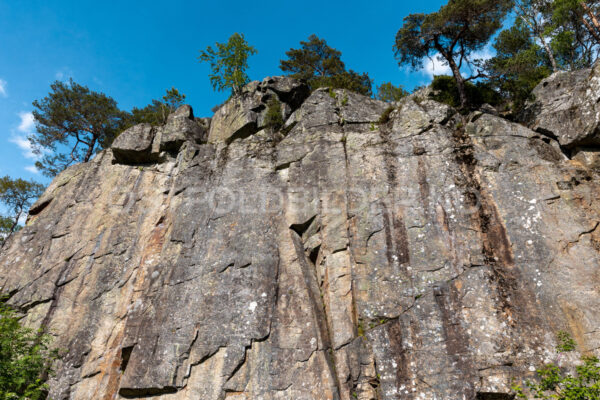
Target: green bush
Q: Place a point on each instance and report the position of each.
(273, 117)
(25, 358)
(557, 384)
(446, 91)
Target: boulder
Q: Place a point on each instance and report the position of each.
(181, 126)
(134, 145)
(566, 108)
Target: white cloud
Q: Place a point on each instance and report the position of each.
(25, 128)
(3, 84)
(32, 168)
(59, 75)
(27, 122)
(25, 145)
(435, 66)
(484, 54)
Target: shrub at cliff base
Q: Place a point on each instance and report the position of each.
(25, 358)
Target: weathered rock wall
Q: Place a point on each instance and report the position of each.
(423, 256)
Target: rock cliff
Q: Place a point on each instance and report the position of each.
(360, 252)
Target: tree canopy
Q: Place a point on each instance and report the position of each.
(575, 27)
(72, 124)
(17, 196)
(453, 34)
(228, 63)
(519, 65)
(321, 66)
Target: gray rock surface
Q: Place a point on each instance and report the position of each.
(433, 256)
(566, 107)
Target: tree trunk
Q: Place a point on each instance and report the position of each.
(90, 151)
(593, 17)
(13, 228)
(550, 53)
(460, 82)
(536, 31)
(593, 31)
(15, 224)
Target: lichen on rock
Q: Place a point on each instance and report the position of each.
(429, 255)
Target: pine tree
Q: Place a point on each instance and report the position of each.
(453, 33)
(73, 123)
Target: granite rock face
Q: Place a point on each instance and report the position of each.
(424, 255)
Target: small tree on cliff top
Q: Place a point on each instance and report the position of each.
(157, 111)
(453, 33)
(322, 66)
(388, 92)
(228, 62)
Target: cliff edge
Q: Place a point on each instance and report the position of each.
(360, 251)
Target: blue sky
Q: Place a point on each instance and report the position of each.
(134, 51)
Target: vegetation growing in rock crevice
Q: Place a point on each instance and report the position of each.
(385, 116)
(273, 116)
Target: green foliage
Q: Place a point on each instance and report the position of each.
(518, 66)
(458, 29)
(385, 117)
(73, 123)
(17, 195)
(228, 63)
(446, 91)
(345, 100)
(575, 31)
(25, 358)
(157, 111)
(557, 384)
(565, 342)
(388, 92)
(273, 117)
(321, 66)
